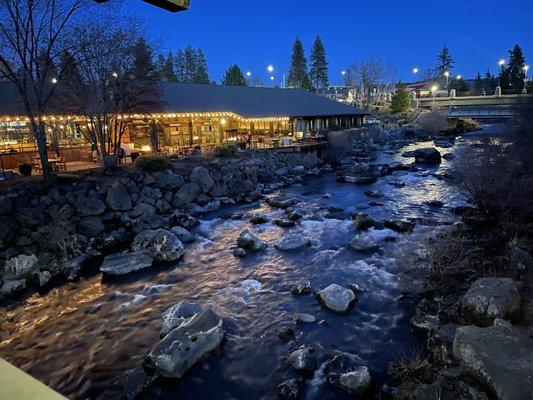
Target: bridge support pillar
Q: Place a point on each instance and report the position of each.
(452, 94)
(498, 91)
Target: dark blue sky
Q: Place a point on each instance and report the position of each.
(255, 33)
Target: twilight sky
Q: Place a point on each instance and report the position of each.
(254, 33)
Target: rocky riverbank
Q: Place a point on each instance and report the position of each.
(133, 218)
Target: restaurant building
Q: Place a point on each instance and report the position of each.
(191, 116)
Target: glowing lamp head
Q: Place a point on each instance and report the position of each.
(223, 121)
(114, 75)
(270, 68)
(248, 74)
(146, 148)
(526, 68)
(447, 74)
(434, 88)
(271, 78)
(415, 70)
(459, 77)
(501, 62)
(54, 80)
(343, 72)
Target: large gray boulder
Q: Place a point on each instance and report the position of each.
(310, 160)
(345, 372)
(201, 177)
(247, 240)
(336, 298)
(490, 298)
(89, 206)
(183, 234)
(175, 315)
(124, 263)
(186, 194)
(118, 198)
(303, 361)
(498, 357)
(11, 287)
(160, 244)
(186, 344)
(292, 243)
(427, 155)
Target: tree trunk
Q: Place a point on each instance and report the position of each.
(40, 136)
(154, 137)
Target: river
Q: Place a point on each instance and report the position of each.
(82, 338)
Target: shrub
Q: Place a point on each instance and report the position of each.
(22, 266)
(225, 150)
(409, 366)
(464, 125)
(152, 163)
(434, 121)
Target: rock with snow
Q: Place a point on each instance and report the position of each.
(363, 243)
(124, 263)
(160, 244)
(247, 240)
(292, 243)
(303, 361)
(175, 315)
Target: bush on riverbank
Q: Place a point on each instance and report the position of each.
(464, 125)
(225, 151)
(152, 163)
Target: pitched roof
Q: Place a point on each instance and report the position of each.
(248, 102)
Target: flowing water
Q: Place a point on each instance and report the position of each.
(82, 338)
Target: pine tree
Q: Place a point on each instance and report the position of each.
(234, 77)
(512, 75)
(298, 71)
(190, 64)
(444, 61)
(160, 66)
(459, 84)
(201, 76)
(143, 65)
(180, 67)
(400, 99)
(478, 83)
(490, 83)
(167, 73)
(319, 65)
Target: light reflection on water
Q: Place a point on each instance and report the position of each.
(82, 338)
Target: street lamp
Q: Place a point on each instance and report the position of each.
(54, 81)
(525, 68)
(501, 63)
(270, 68)
(415, 70)
(447, 75)
(459, 77)
(248, 74)
(433, 91)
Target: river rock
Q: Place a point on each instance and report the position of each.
(247, 240)
(305, 318)
(201, 177)
(124, 263)
(302, 288)
(490, 298)
(89, 206)
(498, 357)
(284, 223)
(336, 298)
(399, 225)
(186, 344)
(182, 234)
(184, 220)
(363, 221)
(289, 389)
(294, 216)
(7, 230)
(6, 205)
(374, 193)
(280, 202)
(118, 198)
(310, 160)
(175, 315)
(290, 243)
(186, 194)
(345, 372)
(303, 361)
(259, 219)
(363, 243)
(12, 286)
(427, 155)
(160, 244)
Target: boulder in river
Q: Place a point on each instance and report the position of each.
(284, 223)
(336, 298)
(399, 225)
(490, 298)
(280, 202)
(498, 357)
(290, 243)
(427, 155)
(182, 234)
(303, 361)
(363, 221)
(247, 240)
(124, 263)
(160, 244)
(184, 220)
(374, 193)
(186, 344)
(345, 372)
(259, 219)
(302, 288)
(363, 243)
(289, 389)
(175, 315)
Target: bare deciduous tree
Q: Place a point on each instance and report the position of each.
(106, 87)
(367, 75)
(34, 36)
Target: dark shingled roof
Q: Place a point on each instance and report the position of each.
(248, 102)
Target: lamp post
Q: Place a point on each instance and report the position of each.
(415, 71)
(525, 68)
(433, 91)
(501, 63)
(447, 75)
